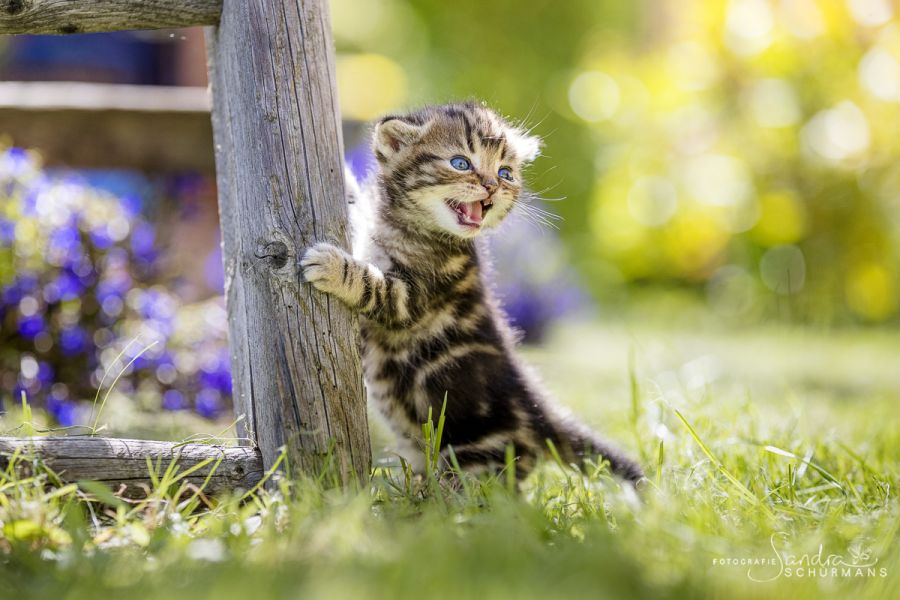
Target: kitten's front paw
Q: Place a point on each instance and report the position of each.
(324, 266)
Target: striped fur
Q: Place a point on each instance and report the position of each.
(430, 326)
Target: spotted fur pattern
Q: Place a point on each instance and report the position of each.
(430, 327)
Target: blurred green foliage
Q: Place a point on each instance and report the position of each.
(741, 149)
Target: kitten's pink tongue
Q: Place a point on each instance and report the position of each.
(471, 211)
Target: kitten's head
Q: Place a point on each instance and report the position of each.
(453, 169)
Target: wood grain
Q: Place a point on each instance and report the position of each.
(118, 462)
(278, 147)
(82, 16)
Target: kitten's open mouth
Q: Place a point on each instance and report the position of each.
(470, 214)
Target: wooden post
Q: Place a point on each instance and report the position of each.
(276, 127)
(295, 359)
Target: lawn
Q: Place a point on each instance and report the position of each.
(772, 457)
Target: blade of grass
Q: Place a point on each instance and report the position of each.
(113, 384)
(510, 468)
(635, 390)
(268, 474)
(106, 373)
(660, 455)
(101, 493)
(738, 486)
(27, 417)
(806, 461)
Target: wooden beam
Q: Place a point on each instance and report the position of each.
(68, 95)
(88, 16)
(123, 462)
(295, 359)
(93, 125)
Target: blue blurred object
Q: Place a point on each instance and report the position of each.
(213, 270)
(62, 411)
(73, 340)
(208, 403)
(121, 57)
(361, 161)
(173, 400)
(29, 327)
(533, 277)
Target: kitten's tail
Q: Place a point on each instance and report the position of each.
(578, 442)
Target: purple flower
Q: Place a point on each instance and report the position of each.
(173, 400)
(65, 239)
(526, 311)
(68, 286)
(131, 203)
(15, 162)
(63, 411)
(27, 282)
(29, 201)
(218, 375)
(143, 242)
(18, 390)
(82, 267)
(30, 327)
(208, 403)
(7, 232)
(82, 261)
(73, 340)
(11, 295)
(361, 161)
(100, 238)
(214, 272)
(45, 372)
(116, 285)
(216, 381)
(155, 305)
(141, 362)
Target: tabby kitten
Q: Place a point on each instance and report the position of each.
(430, 326)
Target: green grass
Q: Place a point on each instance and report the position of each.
(746, 438)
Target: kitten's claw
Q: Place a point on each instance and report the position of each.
(323, 266)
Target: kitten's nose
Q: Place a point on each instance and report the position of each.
(490, 183)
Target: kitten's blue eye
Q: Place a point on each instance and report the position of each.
(460, 163)
(505, 173)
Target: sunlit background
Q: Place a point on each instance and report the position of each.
(724, 162)
(741, 151)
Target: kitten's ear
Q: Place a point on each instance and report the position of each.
(392, 134)
(527, 147)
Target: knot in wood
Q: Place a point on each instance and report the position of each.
(274, 253)
(14, 7)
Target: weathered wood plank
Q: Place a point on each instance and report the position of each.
(152, 128)
(295, 359)
(83, 16)
(95, 125)
(74, 95)
(118, 462)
